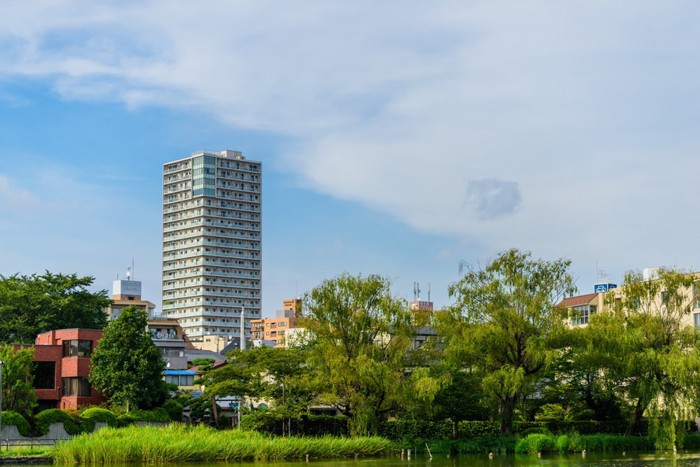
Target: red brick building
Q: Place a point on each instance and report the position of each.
(62, 359)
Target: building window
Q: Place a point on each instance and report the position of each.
(696, 319)
(581, 314)
(77, 348)
(76, 387)
(44, 375)
(180, 380)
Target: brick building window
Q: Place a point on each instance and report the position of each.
(78, 348)
(76, 387)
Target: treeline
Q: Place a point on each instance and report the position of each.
(503, 353)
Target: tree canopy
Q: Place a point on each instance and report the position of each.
(30, 305)
(361, 334)
(17, 391)
(127, 367)
(504, 315)
(648, 321)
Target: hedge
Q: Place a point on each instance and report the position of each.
(270, 422)
(174, 409)
(72, 425)
(410, 429)
(11, 417)
(97, 414)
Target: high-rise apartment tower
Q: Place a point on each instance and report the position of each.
(212, 206)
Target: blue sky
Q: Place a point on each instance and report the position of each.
(397, 137)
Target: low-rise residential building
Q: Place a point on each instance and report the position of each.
(62, 360)
(582, 307)
(275, 329)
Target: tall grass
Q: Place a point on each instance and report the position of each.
(180, 443)
(538, 442)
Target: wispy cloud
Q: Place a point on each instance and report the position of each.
(15, 198)
(591, 106)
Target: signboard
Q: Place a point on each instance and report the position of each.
(602, 288)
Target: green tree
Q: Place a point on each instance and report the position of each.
(281, 376)
(127, 367)
(578, 385)
(361, 336)
(17, 391)
(30, 305)
(648, 321)
(501, 324)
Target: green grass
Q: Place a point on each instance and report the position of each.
(535, 443)
(180, 443)
(24, 451)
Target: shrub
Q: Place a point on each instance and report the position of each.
(553, 412)
(570, 443)
(321, 425)
(535, 430)
(690, 441)
(174, 409)
(536, 443)
(14, 418)
(97, 414)
(159, 414)
(126, 419)
(615, 443)
(49, 416)
(476, 429)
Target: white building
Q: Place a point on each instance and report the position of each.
(212, 227)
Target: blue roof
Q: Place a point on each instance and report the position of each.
(179, 372)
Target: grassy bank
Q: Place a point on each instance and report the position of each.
(537, 442)
(180, 443)
(545, 443)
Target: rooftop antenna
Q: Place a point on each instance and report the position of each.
(416, 291)
(428, 291)
(128, 274)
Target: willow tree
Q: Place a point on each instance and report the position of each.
(501, 324)
(361, 336)
(648, 323)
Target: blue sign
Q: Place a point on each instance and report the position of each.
(602, 288)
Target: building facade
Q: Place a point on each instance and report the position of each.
(212, 243)
(62, 365)
(273, 331)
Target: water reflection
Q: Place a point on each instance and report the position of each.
(442, 460)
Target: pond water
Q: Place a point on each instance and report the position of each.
(442, 460)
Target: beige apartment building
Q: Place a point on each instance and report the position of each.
(582, 307)
(212, 243)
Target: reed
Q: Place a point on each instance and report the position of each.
(180, 443)
(542, 443)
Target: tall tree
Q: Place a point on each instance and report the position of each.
(361, 335)
(278, 375)
(17, 391)
(127, 367)
(30, 305)
(501, 322)
(648, 321)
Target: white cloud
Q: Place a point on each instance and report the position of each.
(14, 198)
(588, 107)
